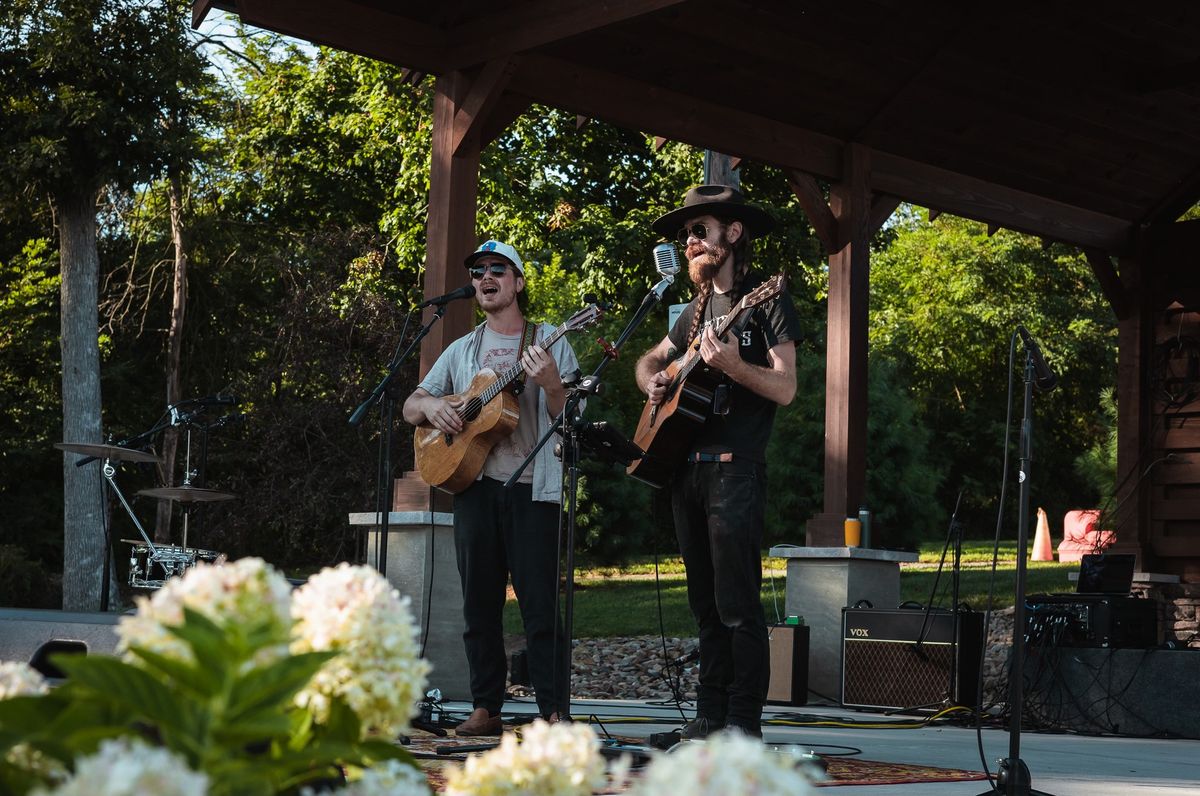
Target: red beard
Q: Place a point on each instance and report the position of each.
(705, 261)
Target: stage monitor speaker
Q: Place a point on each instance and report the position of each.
(32, 636)
(883, 666)
(789, 665)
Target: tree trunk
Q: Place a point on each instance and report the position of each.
(162, 528)
(83, 497)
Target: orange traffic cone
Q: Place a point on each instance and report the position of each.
(1041, 539)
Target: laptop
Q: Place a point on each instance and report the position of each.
(1105, 573)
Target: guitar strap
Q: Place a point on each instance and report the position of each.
(527, 335)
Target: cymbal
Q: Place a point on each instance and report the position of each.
(186, 494)
(106, 451)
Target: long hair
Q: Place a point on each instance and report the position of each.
(742, 252)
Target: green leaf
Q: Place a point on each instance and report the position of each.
(197, 679)
(128, 686)
(273, 684)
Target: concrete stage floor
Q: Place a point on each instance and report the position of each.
(1060, 764)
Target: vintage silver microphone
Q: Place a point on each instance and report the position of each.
(666, 262)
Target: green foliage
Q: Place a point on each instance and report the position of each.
(227, 714)
(945, 301)
(88, 86)
(1097, 465)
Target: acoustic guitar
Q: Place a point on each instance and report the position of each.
(666, 430)
(489, 412)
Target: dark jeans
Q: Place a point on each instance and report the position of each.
(718, 508)
(499, 531)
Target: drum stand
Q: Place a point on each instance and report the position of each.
(109, 477)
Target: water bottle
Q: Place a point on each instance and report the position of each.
(864, 519)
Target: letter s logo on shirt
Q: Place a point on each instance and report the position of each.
(745, 338)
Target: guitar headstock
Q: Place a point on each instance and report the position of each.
(585, 317)
(763, 293)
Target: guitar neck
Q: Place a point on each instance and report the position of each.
(513, 371)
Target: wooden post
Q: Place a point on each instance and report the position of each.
(1134, 339)
(846, 352)
(450, 230)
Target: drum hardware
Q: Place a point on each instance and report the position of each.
(173, 561)
(109, 453)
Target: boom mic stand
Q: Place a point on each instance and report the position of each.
(385, 392)
(1013, 778)
(571, 421)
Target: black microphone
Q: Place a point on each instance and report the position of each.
(466, 291)
(1045, 379)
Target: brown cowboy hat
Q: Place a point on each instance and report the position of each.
(715, 200)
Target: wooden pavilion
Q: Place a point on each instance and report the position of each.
(1078, 123)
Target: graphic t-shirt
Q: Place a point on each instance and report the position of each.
(747, 428)
(499, 352)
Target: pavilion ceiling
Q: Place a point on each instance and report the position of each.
(1079, 122)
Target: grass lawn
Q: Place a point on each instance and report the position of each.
(612, 601)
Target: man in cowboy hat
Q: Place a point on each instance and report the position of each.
(499, 531)
(719, 491)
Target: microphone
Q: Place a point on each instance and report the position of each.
(666, 259)
(666, 262)
(466, 291)
(1045, 378)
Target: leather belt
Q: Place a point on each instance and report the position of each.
(710, 457)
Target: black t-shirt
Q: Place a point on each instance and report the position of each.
(746, 429)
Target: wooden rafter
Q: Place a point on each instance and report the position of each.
(812, 201)
(525, 26)
(882, 207)
(1110, 282)
(394, 38)
(482, 97)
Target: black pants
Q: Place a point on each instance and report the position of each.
(718, 508)
(499, 531)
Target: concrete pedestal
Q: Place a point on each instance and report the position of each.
(420, 564)
(821, 581)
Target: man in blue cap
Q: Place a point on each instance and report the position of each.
(499, 531)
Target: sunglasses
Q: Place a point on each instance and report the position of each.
(697, 231)
(495, 269)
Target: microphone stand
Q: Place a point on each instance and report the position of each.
(1013, 778)
(385, 389)
(571, 435)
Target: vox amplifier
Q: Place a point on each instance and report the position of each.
(903, 657)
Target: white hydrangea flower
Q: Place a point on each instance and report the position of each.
(561, 759)
(124, 768)
(379, 673)
(239, 593)
(390, 778)
(727, 762)
(20, 679)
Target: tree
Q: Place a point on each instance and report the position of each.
(85, 84)
(945, 301)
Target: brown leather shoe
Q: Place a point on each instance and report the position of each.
(480, 723)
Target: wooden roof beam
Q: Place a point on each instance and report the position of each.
(480, 100)
(353, 27)
(812, 201)
(637, 105)
(882, 207)
(1110, 282)
(526, 26)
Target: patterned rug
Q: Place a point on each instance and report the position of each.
(434, 754)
